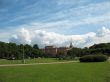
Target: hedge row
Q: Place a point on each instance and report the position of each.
(93, 58)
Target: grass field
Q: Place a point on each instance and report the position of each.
(68, 72)
(27, 61)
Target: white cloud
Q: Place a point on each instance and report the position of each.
(65, 18)
(23, 36)
(103, 32)
(43, 38)
(82, 11)
(102, 36)
(69, 24)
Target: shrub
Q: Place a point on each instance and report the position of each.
(93, 58)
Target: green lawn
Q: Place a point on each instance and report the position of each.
(27, 61)
(68, 72)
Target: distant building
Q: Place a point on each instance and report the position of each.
(53, 51)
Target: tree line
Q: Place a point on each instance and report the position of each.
(102, 48)
(12, 50)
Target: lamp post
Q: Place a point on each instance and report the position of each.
(23, 60)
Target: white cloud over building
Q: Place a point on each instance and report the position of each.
(43, 38)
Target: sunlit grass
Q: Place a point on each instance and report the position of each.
(27, 61)
(71, 72)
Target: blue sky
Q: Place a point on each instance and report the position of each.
(69, 17)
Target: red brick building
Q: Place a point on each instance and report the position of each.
(53, 51)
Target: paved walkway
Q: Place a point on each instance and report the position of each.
(6, 65)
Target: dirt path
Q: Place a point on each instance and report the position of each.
(6, 65)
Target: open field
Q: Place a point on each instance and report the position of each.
(67, 72)
(28, 61)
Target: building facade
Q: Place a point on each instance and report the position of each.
(53, 51)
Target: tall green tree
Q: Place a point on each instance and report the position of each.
(35, 46)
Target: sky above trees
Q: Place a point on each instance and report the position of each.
(46, 22)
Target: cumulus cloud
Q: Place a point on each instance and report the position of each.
(23, 37)
(103, 32)
(102, 36)
(43, 38)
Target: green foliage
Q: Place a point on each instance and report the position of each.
(38, 53)
(93, 58)
(61, 55)
(74, 52)
(14, 51)
(101, 45)
(103, 48)
(35, 46)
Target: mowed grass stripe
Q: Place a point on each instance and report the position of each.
(29, 61)
(30, 64)
(108, 76)
(69, 72)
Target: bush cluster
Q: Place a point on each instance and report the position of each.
(93, 58)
